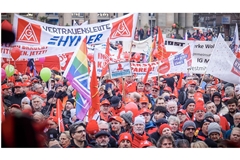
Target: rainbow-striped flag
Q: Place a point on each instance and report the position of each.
(78, 76)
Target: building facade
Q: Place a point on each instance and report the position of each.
(219, 22)
(224, 23)
(145, 20)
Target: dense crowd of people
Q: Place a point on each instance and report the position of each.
(168, 111)
(140, 115)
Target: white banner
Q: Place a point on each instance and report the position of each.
(102, 59)
(223, 63)
(38, 33)
(201, 52)
(29, 51)
(177, 63)
(38, 39)
(138, 46)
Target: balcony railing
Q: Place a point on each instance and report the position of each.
(77, 15)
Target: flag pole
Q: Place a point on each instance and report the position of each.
(123, 79)
(202, 78)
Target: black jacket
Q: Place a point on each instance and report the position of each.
(177, 135)
(155, 136)
(66, 115)
(17, 98)
(73, 145)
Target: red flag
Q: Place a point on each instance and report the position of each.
(153, 49)
(107, 51)
(179, 84)
(120, 48)
(162, 52)
(59, 115)
(146, 76)
(94, 94)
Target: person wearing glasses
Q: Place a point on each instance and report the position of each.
(154, 94)
(189, 129)
(78, 135)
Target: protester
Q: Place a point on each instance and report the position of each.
(66, 110)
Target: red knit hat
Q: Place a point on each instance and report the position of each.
(125, 136)
(164, 126)
(92, 127)
(145, 144)
(199, 106)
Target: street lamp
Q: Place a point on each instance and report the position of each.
(151, 24)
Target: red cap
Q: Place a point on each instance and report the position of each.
(92, 127)
(192, 82)
(181, 111)
(5, 86)
(147, 83)
(156, 87)
(201, 90)
(145, 110)
(168, 89)
(15, 106)
(11, 79)
(173, 95)
(111, 81)
(144, 100)
(125, 136)
(164, 126)
(145, 143)
(26, 84)
(105, 101)
(18, 84)
(117, 118)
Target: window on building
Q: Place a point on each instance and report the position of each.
(125, 13)
(151, 22)
(74, 22)
(52, 21)
(103, 14)
(153, 14)
(102, 20)
(26, 14)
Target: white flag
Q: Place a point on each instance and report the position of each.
(179, 62)
(186, 36)
(84, 23)
(75, 23)
(223, 64)
(235, 41)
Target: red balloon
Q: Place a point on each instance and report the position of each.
(174, 25)
(131, 106)
(15, 53)
(90, 57)
(137, 57)
(172, 36)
